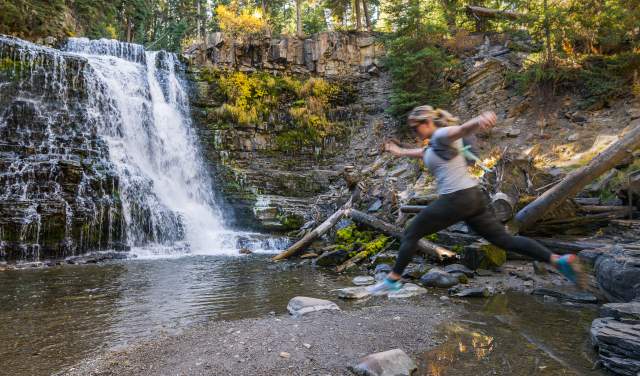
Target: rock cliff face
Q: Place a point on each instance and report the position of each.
(267, 182)
(58, 190)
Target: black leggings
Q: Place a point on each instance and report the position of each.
(467, 205)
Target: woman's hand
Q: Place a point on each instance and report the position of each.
(487, 120)
(391, 147)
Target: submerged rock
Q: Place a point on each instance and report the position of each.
(358, 292)
(618, 344)
(438, 278)
(363, 280)
(569, 296)
(388, 363)
(408, 290)
(302, 305)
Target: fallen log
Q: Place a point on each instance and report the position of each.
(317, 232)
(504, 206)
(411, 208)
(605, 208)
(438, 252)
(578, 179)
(492, 13)
(359, 257)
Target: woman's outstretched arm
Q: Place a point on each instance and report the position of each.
(398, 151)
(485, 121)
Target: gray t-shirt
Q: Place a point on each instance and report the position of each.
(451, 175)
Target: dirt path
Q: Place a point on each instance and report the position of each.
(324, 343)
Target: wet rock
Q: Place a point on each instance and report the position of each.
(408, 290)
(462, 278)
(539, 268)
(459, 268)
(384, 258)
(589, 256)
(618, 274)
(363, 280)
(388, 363)
(438, 278)
(618, 345)
(380, 276)
(415, 271)
(302, 305)
(359, 292)
(382, 268)
(627, 312)
(332, 258)
(375, 206)
(473, 292)
(245, 251)
(568, 296)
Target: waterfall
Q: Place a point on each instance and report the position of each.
(165, 190)
(97, 152)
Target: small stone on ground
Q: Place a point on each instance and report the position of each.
(363, 280)
(358, 292)
(302, 305)
(388, 363)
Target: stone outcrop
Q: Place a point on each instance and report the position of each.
(266, 186)
(618, 273)
(616, 336)
(329, 54)
(58, 190)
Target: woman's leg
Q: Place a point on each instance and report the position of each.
(487, 226)
(437, 216)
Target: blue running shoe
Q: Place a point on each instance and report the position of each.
(384, 287)
(569, 266)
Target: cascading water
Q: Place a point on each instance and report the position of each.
(113, 126)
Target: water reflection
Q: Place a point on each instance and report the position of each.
(514, 334)
(52, 318)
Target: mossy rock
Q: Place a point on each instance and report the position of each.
(333, 258)
(483, 256)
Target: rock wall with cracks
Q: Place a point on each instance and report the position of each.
(267, 186)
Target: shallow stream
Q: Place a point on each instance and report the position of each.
(53, 318)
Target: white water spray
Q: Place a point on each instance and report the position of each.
(166, 192)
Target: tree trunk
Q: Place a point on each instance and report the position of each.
(264, 8)
(299, 18)
(367, 20)
(504, 206)
(578, 179)
(358, 15)
(438, 252)
(320, 230)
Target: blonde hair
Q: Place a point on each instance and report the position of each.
(440, 117)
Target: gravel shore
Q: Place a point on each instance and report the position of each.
(323, 343)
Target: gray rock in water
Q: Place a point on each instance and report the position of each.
(627, 312)
(618, 345)
(569, 296)
(382, 268)
(473, 292)
(408, 290)
(353, 292)
(363, 280)
(388, 363)
(459, 268)
(438, 278)
(618, 274)
(302, 305)
(380, 276)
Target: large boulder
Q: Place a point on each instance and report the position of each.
(628, 312)
(618, 344)
(388, 363)
(618, 273)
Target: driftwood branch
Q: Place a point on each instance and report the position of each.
(438, 252)
(320, 230)
(578, 179)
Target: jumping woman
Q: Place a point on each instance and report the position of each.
(459, 196)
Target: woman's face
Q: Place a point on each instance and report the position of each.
(424, 130)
